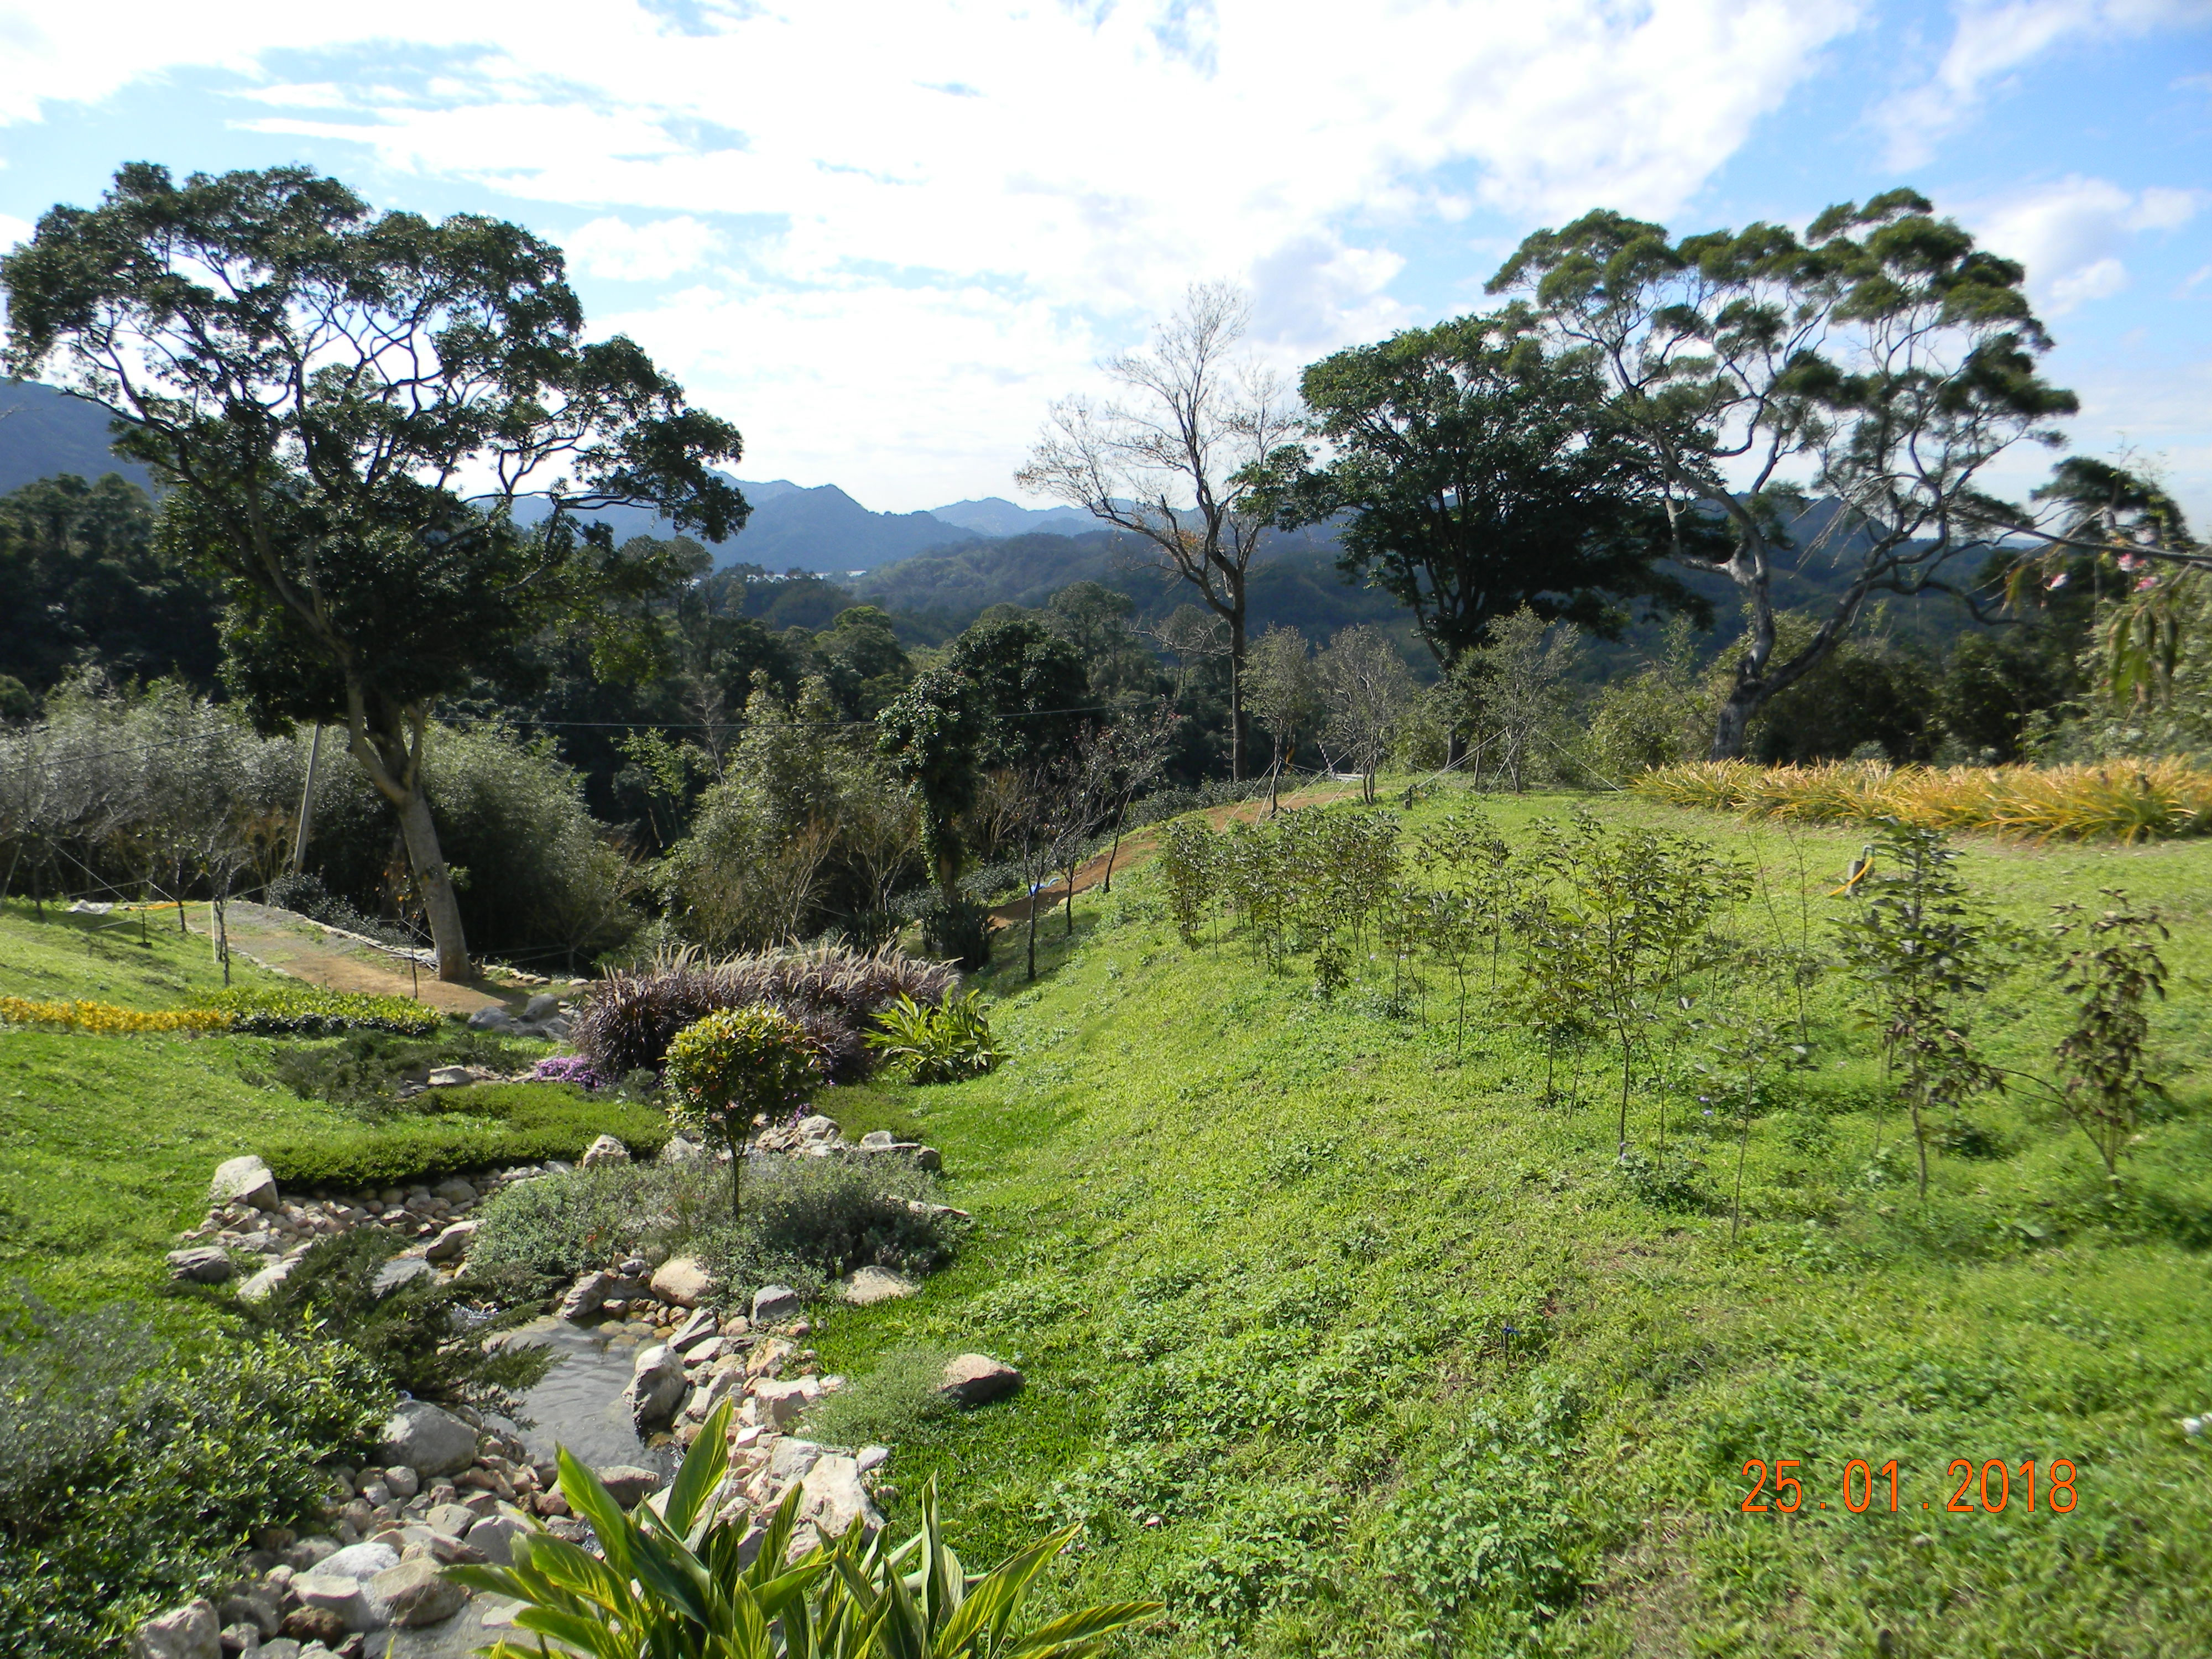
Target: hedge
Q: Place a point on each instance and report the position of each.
(450, 1130)
(310, 1011)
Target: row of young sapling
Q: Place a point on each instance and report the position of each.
(1694, 969)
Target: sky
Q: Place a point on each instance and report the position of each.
(882, 238)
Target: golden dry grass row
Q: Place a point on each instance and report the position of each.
(2123, 801)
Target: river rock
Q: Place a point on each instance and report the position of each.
(629, 1484)
(415, 1593)
(453, 1520)
(657, 1387)
(404, 1481)
(494, 1535)
(254, 1607)
(400, 1270)
(606, 1150)
(202, 1264)
(869, 1285)
(493, 1018)
(313, 1626)
(790, 1458)
(191, 1631)
(449, 1077)
(455, 1191)
(453, 1243)
(679, 1150)
(975, 1379)
(774, 1301)
(258, 1288)
(360, 1561)
(540, 1008)
(836, 1498)
(428, 1439)
(780, 1403)
(696, 1330)
(342, 1598)
(683, 1281)
(246, 1180)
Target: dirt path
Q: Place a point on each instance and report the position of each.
(290, 944)
(1140, 845)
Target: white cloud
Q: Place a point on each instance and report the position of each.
(612, 248)
(12, 231)
(2070, 235)
(1994, 37)
(1110, 153)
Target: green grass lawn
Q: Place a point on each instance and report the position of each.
(1341, 1343)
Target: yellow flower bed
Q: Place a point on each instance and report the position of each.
(2124, 801)
(106, 1019)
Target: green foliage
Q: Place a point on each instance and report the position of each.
(445, 1130)
(361, 1071)
(425, 1339)
(299, 1009)
(2112, 979)
(130, 1468)
(942, 1044)
(1189, 866)
(737, 1068)
(900, 1395)
(561, 1225)
(676, 1579)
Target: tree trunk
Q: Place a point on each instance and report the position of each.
(435, 883)
(1237, 691)
(1731, 728)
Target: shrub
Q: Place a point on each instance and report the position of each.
(735, 1067)
(129, 1470)
(890, 1406)
(567, 1225)
(450, 1129)
(362, 1070)
(105, 1019)
(942, 1044)
(310, 1011)
(629, 1019)
(426, 1338)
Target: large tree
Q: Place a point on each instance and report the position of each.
(342, 408)
(1879, 363)
(1476, 473)
(1172, 460)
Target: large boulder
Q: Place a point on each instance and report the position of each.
(975, 1379)
(245, 1180)
(428, 1439)
(683, 1281)
(191, 1631)
(414, 1593)
(657, 1387)
(202, 1264)
(775, 1302)
(606, 1150)
(869, 1285)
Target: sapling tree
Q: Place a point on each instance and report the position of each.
(1190, 865)
(2113, 978)
(736, 1068)
(1918, 951)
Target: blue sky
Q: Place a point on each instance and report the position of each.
(882, 238)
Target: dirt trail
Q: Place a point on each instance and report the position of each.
(339, 962)
(1139, 844)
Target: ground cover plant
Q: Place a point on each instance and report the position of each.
(2121, 800)
(1343, 1334)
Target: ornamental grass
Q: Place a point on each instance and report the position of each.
(106, 1019)
(2125, 801)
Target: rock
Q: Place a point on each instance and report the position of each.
(404, 1481)
(711, 1394)
(455, 1191)
(191, 1631)
(975, 1379)
(836, 1498)
(495, 1535)
(342, 1598)
(768, 1358)
(428, 1439)
(928, 1157)
(657, 1387)
(696, 1330)
(586, 1296)
(202, 1264)
(541, 1007)
(681, 1150)
(242, 1179)
(400, 1270)
(314, 1624)
(790, 1458)
(414, 1593)
(244, 1640)
(257, 1288)
(360, 1561)
(450, 1244)
(681, 1281)
(772, 1301)
(453, 1520)
(872, 1458)
(629, 1484)
(491, 1019)
(252, 1607)
(606, 1150)
(306, 1555)
(869, 1285)
(879, 1141)
(449, 1077)
(282, 1648)
(780, 1403)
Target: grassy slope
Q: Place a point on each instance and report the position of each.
(105, 1143)
(1367, 1333)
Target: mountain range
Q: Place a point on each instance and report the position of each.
(43, 431)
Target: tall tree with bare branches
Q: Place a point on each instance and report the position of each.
(1174, 458)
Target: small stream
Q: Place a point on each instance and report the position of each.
(578, 1405)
